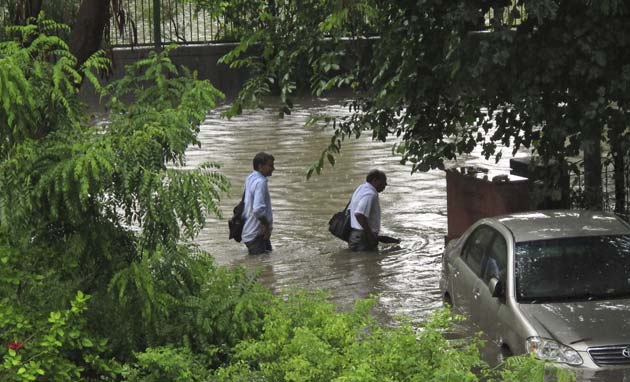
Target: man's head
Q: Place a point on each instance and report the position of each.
(378, 179)
(263, 163)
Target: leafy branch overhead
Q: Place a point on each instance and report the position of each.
(445, 77)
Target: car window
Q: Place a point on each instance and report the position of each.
(582, 268)
(476, 247)
(495, 265)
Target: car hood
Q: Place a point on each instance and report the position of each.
(582, 324)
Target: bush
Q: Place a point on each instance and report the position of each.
(166, 364)
(104, 209)
(304, 339)
(56, 348)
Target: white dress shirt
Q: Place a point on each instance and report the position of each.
(365, 201)
(257, 204)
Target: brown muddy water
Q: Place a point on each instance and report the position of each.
(404, 277)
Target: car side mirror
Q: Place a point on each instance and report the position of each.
(496, 287)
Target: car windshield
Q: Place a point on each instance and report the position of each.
(584, 268)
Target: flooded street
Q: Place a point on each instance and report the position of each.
(405, 277)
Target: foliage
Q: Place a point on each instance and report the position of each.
(16, 12)
(166, 364)
(447, 77)
(106, 209)
(446, 88)
(58, 347)
(567, 76)
(528, 368)
(294, 45)
(305, 339)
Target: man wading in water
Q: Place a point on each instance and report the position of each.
(365, 214)
(257, 213)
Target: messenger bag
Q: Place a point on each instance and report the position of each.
(236, 222)
(339, 224)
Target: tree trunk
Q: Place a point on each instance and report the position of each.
(615, 135)
(35, 6)
(87, 34)
(592, 167)
(26, 9)
(620, 184)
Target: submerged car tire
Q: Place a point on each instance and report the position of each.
(505, 352)
(446, 300)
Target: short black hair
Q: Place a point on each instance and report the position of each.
(375, 174)
(261, 158)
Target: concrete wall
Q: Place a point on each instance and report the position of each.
(202, 58)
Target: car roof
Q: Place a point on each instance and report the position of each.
(556, 224)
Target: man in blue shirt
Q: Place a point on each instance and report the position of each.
(257, 213)
(365, 212)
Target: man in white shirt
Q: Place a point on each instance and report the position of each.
(365, 212)
(257, 213)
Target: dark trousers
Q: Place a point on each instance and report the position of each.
(359, 241)
(258, 245)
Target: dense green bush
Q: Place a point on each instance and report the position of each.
(103, 210)
(166, 364)
(57, 347)
(304, 339)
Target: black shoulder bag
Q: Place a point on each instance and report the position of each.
(237, 222)
(339, 224)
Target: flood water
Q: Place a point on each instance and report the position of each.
(404, 277)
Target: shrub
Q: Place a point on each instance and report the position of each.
(166, 364)
(304, 339)
(56, 348)
(106, 210)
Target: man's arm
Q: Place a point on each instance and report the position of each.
(363, 221)
(260, 208)
(266, 227)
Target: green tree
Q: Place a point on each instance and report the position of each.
(549, 75)
(293, 46)
(89, 20)
(563, 70)
(19, 12)
(106, 209)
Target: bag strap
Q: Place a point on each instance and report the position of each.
(244, 189)
(347, 205)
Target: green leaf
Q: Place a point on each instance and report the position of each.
(86, 342)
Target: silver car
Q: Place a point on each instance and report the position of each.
(552, 283)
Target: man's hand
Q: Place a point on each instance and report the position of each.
(266, 232)
(363, 221)
(266, 228)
